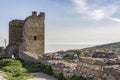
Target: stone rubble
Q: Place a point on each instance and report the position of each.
(96, 68)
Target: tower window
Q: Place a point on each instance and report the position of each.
(35, 38)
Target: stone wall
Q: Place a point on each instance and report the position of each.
(1, 48)
(28, 57)
(59, 66)
(15, 31)
(94, 68)
(12, 49)
(99, 68)
(2, 54)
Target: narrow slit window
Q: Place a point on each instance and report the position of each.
(35, 38)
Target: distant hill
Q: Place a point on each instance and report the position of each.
(111, 46)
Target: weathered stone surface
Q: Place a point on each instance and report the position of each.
(110, 77)
(1, 48)
(15, 31)
(94, 61)
(12, 49)
(99, 68)
(33, 38)
(93, 68)
(103, 54)
(2, 52)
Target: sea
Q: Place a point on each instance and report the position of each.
(55, 48)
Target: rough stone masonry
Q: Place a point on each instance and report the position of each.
(88, 67)
(26, 37)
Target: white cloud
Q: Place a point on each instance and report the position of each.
(98, 12)
(115, 19)
(81, 6)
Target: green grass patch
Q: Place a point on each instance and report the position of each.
(13, 69)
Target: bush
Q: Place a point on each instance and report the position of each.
(38, 67)
(10, 62)
(77, 78)
(11, 69)
(34, 67)
(60, 77)
(10, 65)
(48, 70)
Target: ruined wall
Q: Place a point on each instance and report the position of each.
(1, 52)
(15, 37)
(1, 48)
(15, 31)
(33, 37)
(99, 68)
(92, 68)
(12, 49)
(59, 66)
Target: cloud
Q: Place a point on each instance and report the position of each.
(115, 19)
(97, 15)
(81, 6)
(96, 12)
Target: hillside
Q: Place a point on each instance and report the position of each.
(111, 46)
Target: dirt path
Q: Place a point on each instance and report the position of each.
(2, 78)
(2, 75)
(41, 76)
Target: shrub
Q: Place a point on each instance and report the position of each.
(11, 69)
(33, 67)
(60, 77)
(38, 67)
(10, 62)
(48, 70)
(77, 78)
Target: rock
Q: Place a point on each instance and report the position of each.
(110, 77)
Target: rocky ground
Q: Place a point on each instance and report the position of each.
(41, 76)
(37, 76)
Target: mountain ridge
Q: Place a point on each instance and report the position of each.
(109, 46)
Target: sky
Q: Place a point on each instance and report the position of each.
(67, 22)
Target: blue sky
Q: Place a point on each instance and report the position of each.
(67, 21)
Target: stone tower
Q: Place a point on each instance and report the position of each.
(26, 37)
(15, 31)
(33, 36)
(15, 37)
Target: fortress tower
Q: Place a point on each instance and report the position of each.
(15, 31)
(26, 37)
(33, 36)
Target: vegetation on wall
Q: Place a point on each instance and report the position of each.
(38, 67)
(77, 78)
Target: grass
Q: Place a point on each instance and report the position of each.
(13, 69)
(14, 72)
